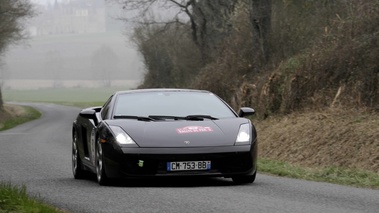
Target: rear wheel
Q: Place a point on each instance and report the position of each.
(244, 179)
(102, 178)
(77, 169)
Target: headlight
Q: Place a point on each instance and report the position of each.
(121, 136)
(244, 134)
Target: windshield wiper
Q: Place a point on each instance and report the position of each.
(188, 117)
(164, 117)
(199, 117)
(140, 118)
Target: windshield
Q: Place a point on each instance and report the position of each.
(170, 103)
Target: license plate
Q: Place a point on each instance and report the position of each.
(188, 165)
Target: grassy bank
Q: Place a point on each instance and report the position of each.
(15, 199)
(333, 145)
(60, 95)
(13, 115)
(336, 175)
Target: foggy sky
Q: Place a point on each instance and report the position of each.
(79, 58)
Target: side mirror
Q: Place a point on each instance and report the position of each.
(88, 113)
(246, 111)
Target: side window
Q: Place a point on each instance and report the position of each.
(106, 107)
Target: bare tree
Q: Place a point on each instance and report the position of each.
(4, 72)
(215, 26)
(12, 15)
(54, 67)
(170, 56)
(209, 21)
(104, 61)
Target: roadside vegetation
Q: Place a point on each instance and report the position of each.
(15, 199)
(333, 145)
(276, 56)
(80, 97)
(13, 115)
(309, 68)
(337, 175)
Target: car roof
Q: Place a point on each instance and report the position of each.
(160, 90)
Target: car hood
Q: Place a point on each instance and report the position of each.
(210, 133)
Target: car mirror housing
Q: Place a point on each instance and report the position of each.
(246, 111)
(88, 113)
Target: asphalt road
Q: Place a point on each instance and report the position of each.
(38, 155)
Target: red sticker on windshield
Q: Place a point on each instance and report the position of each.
(194, 129)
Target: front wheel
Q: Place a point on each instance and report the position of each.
(244, 179)
(102, 178)
(77, 169)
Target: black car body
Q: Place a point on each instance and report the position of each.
(164, 132)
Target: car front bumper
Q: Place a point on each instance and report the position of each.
(152, 162)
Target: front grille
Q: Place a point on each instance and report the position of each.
(156, 164)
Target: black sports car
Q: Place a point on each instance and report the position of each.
(164, 132)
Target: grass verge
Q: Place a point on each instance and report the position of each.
(15, 199)
(55, 95)
(10, 119)
(77, 104)
(336, 175)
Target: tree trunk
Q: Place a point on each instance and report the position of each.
(212, 19)
(1, 101)
(261, 21)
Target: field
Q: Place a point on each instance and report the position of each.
(63, 95)
(85, 57)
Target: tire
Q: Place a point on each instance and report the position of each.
(77, 167)
(101, 177)
(244, 179)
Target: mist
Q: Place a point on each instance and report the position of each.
(73, 45)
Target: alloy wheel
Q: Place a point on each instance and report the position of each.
(99, 163)
(74, 155)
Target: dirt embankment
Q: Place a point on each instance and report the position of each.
(334, 137)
